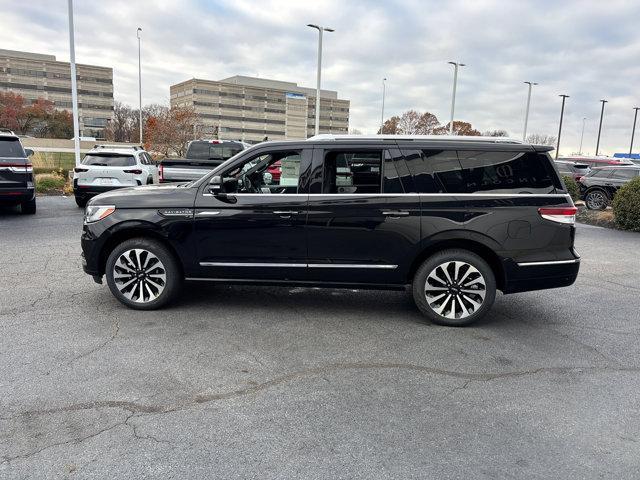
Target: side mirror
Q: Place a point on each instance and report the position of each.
(215, 185)
(28, 152)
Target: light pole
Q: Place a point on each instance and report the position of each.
(456, 65)
(582, 134)
(526, 112)
(139, 81)
(384, 88)
(74, 86)
(600, 127)
(633, 131)
(564, 97)
(320, 30)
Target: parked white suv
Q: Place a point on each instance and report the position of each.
(107, 167)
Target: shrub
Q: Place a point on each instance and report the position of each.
(626, 206)
(572, 187)
(49, 182)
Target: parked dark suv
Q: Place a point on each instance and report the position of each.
(16, 174)
(457, 219)
(600, 185)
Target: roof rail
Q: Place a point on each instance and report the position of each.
(6, 130)
(433, 138)
(134, 147)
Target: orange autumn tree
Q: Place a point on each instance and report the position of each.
(168, 130)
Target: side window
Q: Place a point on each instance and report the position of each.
(143, 159)
(623, 174)
(506, 172)
(273, 172)
(352, 172)
(601, 173)
(435, 171)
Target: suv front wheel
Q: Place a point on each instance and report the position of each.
(143, 274)
(454, 288)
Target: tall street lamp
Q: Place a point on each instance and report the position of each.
(384, 88)
(74, 86)
(456, 65)
(526, 112)
(564, 97)
(584, 119)
(600, 127)
(633, 131)
(320, 29)
(139, 81)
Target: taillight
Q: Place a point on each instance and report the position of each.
(559, 214)
(80, 170)
(161, 172)
(134, 171)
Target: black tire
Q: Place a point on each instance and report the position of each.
(173, 274)
(28, 207)
(478, 274)
(596, 199)
(81, 202)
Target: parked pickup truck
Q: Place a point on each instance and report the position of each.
(202, 157)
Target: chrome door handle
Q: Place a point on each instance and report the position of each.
(208, 213)
(285, 212)
(397, 213)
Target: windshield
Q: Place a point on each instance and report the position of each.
(10, 147)
(109, 160)
(212, 151)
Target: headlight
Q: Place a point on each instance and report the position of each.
(93, 213)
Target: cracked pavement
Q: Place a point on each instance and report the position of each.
(255, 382)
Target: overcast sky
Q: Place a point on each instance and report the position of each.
(587, 49)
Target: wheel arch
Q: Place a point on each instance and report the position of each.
(124, 233)
(475, 244)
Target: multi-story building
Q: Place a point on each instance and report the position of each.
(250, 109)
(34, 75)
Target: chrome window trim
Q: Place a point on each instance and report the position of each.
(548, 262)
(297, 265)
(360, 195)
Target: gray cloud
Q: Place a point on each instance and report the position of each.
(586, 49)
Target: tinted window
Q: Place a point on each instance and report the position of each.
(212, 151)
(434, 171)
(624, 173)
(600, 173)
(109, 160)
(506, 172)
(11, 147)
(352, 172)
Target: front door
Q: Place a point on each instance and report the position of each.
(257, 230)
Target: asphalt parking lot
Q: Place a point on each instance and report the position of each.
(251, 382)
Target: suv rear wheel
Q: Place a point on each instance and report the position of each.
(596, 199)
(454, 288)
(143, 274)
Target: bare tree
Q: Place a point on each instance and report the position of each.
(495, 133)
(411, 122)
(541, 139)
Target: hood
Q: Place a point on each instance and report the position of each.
(148, 196)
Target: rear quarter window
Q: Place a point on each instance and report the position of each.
(507, 172)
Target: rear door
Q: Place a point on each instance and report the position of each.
(14, 167)
(357, 232)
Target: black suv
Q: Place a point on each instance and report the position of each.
(16, 174)
(600, 185)
(457, 219)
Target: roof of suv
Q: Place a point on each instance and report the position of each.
(121, 149)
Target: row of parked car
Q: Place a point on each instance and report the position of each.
(598, 178)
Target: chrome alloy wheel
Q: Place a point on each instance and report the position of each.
(139, 275)
(455, 289)
(596, 200)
